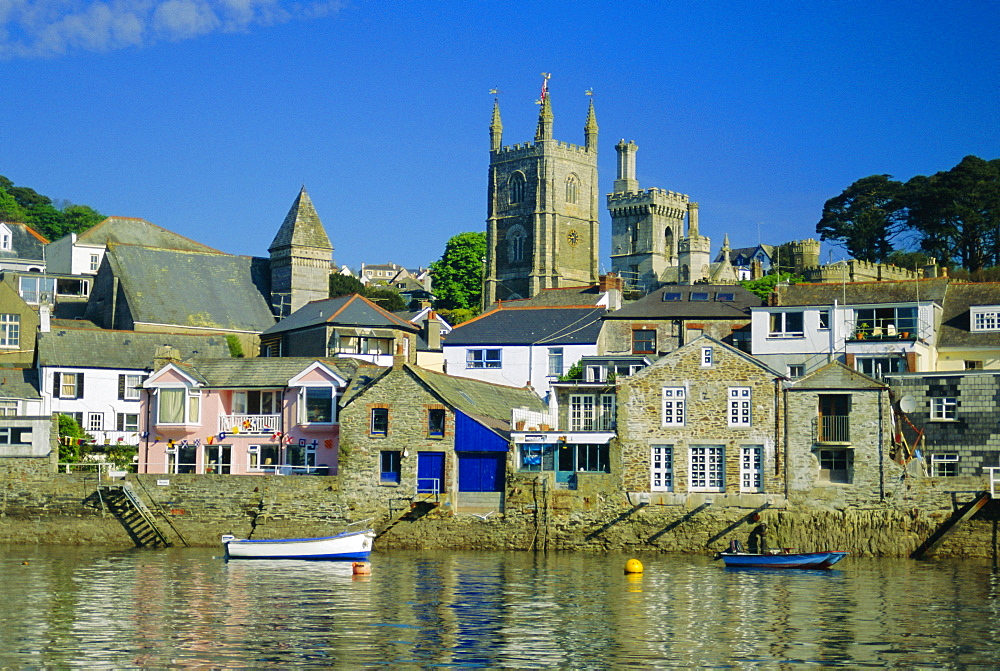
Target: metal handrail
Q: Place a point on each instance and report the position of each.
(994, 475)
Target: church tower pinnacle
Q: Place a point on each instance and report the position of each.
(544, 130)
(496, 128)
(590, 129)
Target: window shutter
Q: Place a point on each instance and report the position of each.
(121, 421)
(79, 385)
(55, 385)
(121, 389)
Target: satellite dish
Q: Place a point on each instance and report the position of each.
(907, 404)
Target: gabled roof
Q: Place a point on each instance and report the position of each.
(193, 289)
(25, 243)
(653, 306)
(133, 350)
(301, 226)
(863, 293)
(746, 252)
(835, 375)
(701, 341)
(582, 296)
(254, 373)
(530, 326)
(955, 318)
(133, 231)
(354, 310)
(19, 383)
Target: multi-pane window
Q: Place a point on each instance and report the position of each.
(885, 322)
(8, 408)
(15, 435)
(786, 324)
(10, 330)
(482, 358)
(179, 405)
(128, 387)
(67, 385)
(263, 457)
(673, 406)
(320, 405)
(95, 421)
(435, 422)
(264, 402)
(796, 370)
(591, 412)
(37, 289)
(644, 341)
(834, 465)
(944, 464)
(515, 244)
(95, 261)
(706, 357)
(824, 318)
(708, 469)
(986, 321)
(517, 188)
(751, 468)
(661, 468)
(739, 406)
(944, 408)
(127, 421)
(390, 466)
(380, 421)
(565, 457)
(572, 188)
(555, 361)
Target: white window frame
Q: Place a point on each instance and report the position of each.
(707, 468)
(941, 460)
(985, 319)
(121, 418)
(752, 468)
(303, 410)
(706, 357)
(740, 407)
(778, 324)
(8, 408)
(5, 238)
(132, 387)
(95, 262)
(591, 412)
(556, 361)
(673, 409)
(191, 406)
(95, 421)
(75, 394)
(944, 409)
(823, 319)
(482, 358)
(796, 370)
(10, 330)
(661, 468)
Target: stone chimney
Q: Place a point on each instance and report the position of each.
(165, 354)
(44, 318)
(432, 332)
(399, 358)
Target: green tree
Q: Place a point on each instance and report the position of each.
(345, 285)
(386, 298)
(27, 206)
(763, 286)
(957, 213)
(458, 274)
(865, 218)
(75, 445)
(909, 260)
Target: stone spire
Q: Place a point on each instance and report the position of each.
(725, 248)
(496, 128)
(590, 129)
(301, 226)
(544, 131)
(301, 258)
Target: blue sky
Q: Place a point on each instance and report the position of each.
(206, 116)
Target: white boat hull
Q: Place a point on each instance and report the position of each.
(348, 546)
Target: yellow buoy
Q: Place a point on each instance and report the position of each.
(633, 566)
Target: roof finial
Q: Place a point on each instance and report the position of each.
(544, 131)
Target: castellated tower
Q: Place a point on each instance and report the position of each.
(805, 254)
(542, 225)
(301, 258)
(646, 226)
(694, 251)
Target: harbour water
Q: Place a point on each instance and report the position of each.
(95, 608)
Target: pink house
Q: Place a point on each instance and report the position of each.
(242, 416)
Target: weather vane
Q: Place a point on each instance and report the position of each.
(589, 92)
(495, 92)
(546, 76)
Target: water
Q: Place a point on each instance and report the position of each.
(73, 607)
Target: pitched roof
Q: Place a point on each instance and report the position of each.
(133, 231)
(587, 295)
(96, 348)
(863, 293)
(18, 383)
(679, 303)
(258, 372)
(530, 326)
(700, 341)
(955, 318)
(193, 289)
(835, 375)
(746, 252)
(25, 243)
(489, 403)
(301, 226)
(353, 310)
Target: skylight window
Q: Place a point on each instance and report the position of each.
(725, 297)
(671, 296)
(699, 296)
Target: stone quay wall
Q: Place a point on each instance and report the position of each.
(66, 509)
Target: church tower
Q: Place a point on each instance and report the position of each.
(542, 225)
(646, 226)
(301, 258)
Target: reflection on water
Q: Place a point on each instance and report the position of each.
(73, 607)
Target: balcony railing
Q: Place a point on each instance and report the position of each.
(833, 429)
(115, 437)
(249, 423)
(529, 420)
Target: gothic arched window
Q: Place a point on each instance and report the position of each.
(572, 189)
(515, 244)
(517, 186)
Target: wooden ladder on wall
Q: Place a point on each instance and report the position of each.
(951, 524)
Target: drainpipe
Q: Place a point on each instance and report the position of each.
(881, 442)
(785, 398)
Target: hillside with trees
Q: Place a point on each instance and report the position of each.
(22, 205)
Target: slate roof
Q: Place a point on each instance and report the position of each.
(835, 375)
(193, 289)
(863, 293)
(259, 372)
(530, 326)
(26, 244)
(353, 310)
(86, 348)
(562, 297)
(133, 231)
(19, 383)
(745, 252)
(955, 319)
(301, 226)
(653, 306)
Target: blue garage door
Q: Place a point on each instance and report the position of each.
(430, 472)
(481, 471)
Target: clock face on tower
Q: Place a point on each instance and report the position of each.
(573, 237)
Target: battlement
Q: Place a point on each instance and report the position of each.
(525, 149)
(854, 270)
(651, 196)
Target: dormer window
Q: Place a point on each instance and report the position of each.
(6, 238)
(985, 318)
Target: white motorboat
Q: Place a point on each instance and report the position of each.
(348, 546)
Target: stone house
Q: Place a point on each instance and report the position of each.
(703, 423)
(18, 326)
(254, 416)
(409, 434)
(677, 314)
(839, 439)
